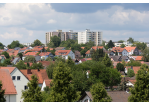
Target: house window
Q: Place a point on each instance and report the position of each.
(18, 77)
(25, 87)
(13, 77)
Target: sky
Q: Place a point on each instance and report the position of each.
(27, 22)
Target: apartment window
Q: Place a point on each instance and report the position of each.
(13, 77)
(18, 77)
(25, 87)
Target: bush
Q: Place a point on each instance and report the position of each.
(130, 72)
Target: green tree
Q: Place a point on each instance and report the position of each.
(48, 49)
(36, 43)
(20, 55)
(97, 55)
(1, 46)
(15, 44)
(116, 53)
(54, 41)
(110, 44)
(69, 62)
(6, 54)
(30, 58)
(122, 46)
(53, 51)
(36, 66)
(121, 41)
(130, 40)
(21, 65)
(141, 87)
(7, 62)
(50, 69)
(99, 93)
(2, 92)
(130, 72)
(83, 52)
(76, 47)
(120, 67)
(145, 54)
(107, 61)
(62, 89)
(33, 93)
(140, 46)
(49, 59)
(123, 62)
(134, 63)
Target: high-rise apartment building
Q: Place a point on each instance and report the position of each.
(88, 35)
(63, 35)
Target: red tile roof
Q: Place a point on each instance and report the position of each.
(88, 58)
(129, 49)
(62, 52)
(10, 69)
(95, 48)
(31, 53)
(135, 68)
(46, 63)
(44, 53)
(132, 81)
(24, 48)
(47, 82)
(118, 49)
(42, 74)
(7, 82)
(83, 47)
(36, 49)
(139, 58)
(15, 52)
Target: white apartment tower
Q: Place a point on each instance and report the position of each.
(88, 35)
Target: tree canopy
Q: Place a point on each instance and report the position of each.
(110, 44)
(130, 40)
(141, 87)
(62, 89)
(15, 44)
(107, 61)
(20, 65)
(2, 92)
(122, 46)
(97, 55)
(120, 67)
(121, 41)
(33, 93)
(99, 93)
(6, 54)
(37, 43)
(145, 55)
(130, 72)
(54, 41)
(30, 58)
(1, 46)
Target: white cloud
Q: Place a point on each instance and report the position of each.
(11, 35)
(51, 21)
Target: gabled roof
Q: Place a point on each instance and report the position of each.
(62, 52)
(59, 48)
(44, 53)
(24, 48)
(36, 49)
(139, 58)
(82, 60)
(129, 49)
(88, 52)
(116, 58)
(10, 69)
(95, 48)
(31, 53)
(7, 82)
(15, 52)
(41, 75)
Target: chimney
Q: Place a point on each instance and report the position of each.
(29, 71)
(132, 67)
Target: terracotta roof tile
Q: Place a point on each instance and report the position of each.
(139, 58)
(46, 63)
(36, 49)
(44, 53)
(95, 48)
(47, 82)
(42, 74)
(83, 47)
(10, 69)
(15, 52)
(62, 52)
(135, 68)
(129, 49)
(88, 59)
(7, 82)
(31, 53)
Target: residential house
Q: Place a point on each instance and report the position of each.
(13, 52)
(46, 63)
(60, 48)
(46, 83)
(77, 54)
(120, 51)
(37, 57)
(37, 49)
(110, 53)
(2, 58)
(45, 55)
(119, 58)
(95, 48)
(22, 50)
(65, 53)
(139, 58)
(117, 96)
(10, 90)
(15, 60)
(82, 60)
(132, 50)
(19, 80)
(134, 68)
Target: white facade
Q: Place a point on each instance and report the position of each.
(86, 99)
(43, 86)
(19, 84)
(10, 97)
(130, 84)
(88, 35)
(27, 44)
(71, 54)
(124, 53)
